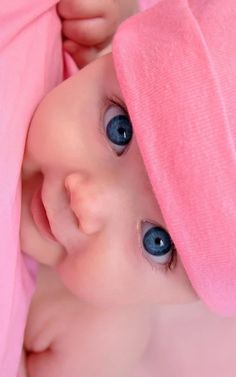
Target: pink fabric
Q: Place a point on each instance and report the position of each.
(144, 4)
(30, 65)
(176, 64)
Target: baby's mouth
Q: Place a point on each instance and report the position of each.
(40, 216)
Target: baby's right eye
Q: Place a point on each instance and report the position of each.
(157, 243)
(118, 128)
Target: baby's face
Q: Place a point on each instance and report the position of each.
(87, 206)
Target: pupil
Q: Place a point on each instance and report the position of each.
(157, 241)
(119, 130)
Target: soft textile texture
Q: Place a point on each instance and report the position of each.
(30, 65)
(176, 64)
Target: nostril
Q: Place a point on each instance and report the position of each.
(76, 219)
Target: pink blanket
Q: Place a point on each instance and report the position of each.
(30, 65)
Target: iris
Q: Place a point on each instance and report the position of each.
(119, 130)
(157, 241)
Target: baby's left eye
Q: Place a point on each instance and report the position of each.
(157, 243)
(118, 128)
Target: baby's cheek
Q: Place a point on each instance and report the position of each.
(100, 281)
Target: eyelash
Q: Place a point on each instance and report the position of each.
(113, 100)
(117, 101)
(166, 267)
(172, 263)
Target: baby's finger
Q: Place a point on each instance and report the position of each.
(70, 46)
(81, 55)
(89, 32)
(74, 9)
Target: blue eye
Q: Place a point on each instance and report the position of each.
(118, 128)
(158, 244)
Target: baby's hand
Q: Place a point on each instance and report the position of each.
(89, 25)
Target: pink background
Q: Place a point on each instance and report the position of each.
(30, 65)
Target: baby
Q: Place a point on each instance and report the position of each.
(83, 178)
(117, 242)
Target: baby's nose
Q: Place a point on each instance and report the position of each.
(86, 202)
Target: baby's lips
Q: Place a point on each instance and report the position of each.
(39, 215)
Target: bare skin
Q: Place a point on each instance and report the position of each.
(66, 337)
(91, 192)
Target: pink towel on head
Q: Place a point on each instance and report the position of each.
(30, 65)
(144, 4)
(176, 65)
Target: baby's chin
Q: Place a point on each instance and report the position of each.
(61, 329)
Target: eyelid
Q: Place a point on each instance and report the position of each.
(114, 100)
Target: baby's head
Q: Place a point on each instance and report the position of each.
(83, 162)
(114, 237)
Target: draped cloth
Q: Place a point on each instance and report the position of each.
(31, 64)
